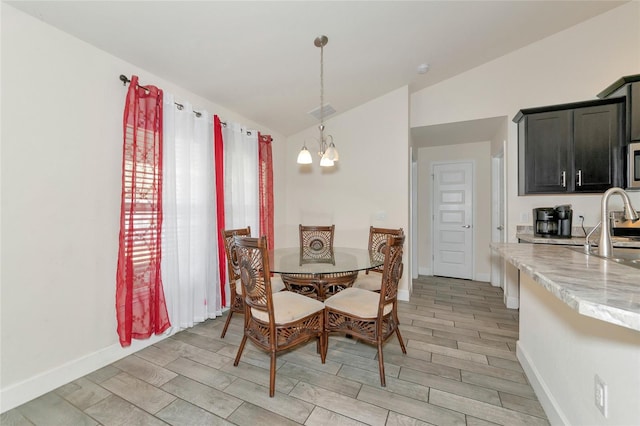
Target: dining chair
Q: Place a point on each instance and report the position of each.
(274, 321)
(235, 286)
(372, 279)
(316, 244)
(366, 315)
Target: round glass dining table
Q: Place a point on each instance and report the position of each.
(321, 276)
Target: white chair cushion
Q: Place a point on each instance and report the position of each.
(289, 306)
(371, 281)
(276, 285)
(358, 302)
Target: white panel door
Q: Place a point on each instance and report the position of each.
(452, 220)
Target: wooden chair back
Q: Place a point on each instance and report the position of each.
(378, 243)
(316, 243)
(253, 266)
(229, 248)
(235, 298)
(392, 271)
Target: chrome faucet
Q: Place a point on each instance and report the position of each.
(605, 246)
(587, 244)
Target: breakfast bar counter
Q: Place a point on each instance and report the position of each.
(579, 332)
(592, 286)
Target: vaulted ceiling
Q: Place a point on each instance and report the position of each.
(258, 58)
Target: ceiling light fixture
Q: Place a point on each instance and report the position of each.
(328, 151)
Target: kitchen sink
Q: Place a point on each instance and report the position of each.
(621, 255)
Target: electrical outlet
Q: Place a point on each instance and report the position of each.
(524, 217)
(600, 394)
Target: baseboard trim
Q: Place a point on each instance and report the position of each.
(551, 407)
(424, 271)
(512, 302)
(19, 393)
(485, 278)
(403, 295)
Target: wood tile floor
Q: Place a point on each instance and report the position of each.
(460, 369)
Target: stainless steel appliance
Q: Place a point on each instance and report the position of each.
(564, 214)
(553, 222)
(633, 166)
(623, 227)
(545, 223)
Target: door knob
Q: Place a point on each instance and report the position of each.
(500, 228)
(466, 226)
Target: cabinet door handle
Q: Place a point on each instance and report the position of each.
(579, 177)
(466, 226)
(564, 179)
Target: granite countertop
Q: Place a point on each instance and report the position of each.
(592, 286)
(577, 241)
(525, 233)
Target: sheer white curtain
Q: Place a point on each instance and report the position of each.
(242, 206)
(189, 258)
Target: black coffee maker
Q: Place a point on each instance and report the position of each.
(553, 222)
(564, 214)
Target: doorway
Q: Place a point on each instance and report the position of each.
(452, 219)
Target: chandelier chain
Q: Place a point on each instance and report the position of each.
(321, 86)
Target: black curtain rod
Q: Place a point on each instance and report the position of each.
(125, 80)
(181, 107)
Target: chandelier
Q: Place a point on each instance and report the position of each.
(328, 151)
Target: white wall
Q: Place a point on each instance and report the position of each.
(369, 186)
(480, 154)
(573, 65)
(62, 106)
(563, 378)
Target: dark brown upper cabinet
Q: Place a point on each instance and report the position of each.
(571, 148)
(627, 87)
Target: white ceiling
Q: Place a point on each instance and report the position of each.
(258, 58)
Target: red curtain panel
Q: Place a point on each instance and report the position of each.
(140, 304)
(266, 188)
(219, 167)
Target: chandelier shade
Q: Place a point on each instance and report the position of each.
(331, 153)
(325, 161)
(328, 152)
(304, 157)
